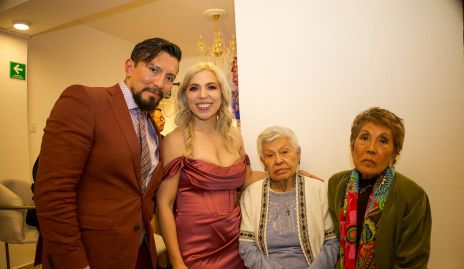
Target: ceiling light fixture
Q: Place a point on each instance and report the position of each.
(217, 49)
(22, 25)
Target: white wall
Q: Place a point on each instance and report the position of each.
(13, 108)
(78, 55)
(314, 65)
(14, 147)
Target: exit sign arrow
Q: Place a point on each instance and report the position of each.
(17, 71)
(17, 68)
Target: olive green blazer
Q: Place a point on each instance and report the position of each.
(403, 235)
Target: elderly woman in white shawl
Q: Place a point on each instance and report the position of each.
(285, 217)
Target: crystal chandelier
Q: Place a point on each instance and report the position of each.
(218, 51)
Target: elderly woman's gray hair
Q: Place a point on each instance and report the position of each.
(384, 118)
(274, 132)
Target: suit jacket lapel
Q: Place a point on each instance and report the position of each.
(121, 112)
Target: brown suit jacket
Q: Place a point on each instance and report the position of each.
(88, 189)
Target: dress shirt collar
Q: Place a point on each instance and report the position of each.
(127, 95)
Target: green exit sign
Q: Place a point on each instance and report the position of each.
(17, 71)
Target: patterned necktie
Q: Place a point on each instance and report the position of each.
(145, 150)
(145, 159)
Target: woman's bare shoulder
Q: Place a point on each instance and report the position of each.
(173, 145)
(174, 135)
(235, 131)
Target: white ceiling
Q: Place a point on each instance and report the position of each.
(180, 21)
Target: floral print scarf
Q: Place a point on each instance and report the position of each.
(347, 217)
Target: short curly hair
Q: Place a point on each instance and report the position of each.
(384, 118)
(275, 132)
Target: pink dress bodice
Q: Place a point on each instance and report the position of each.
(206, 212)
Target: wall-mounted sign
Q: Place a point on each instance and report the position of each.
(17, 71)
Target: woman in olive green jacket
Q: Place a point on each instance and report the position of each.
(382, 218)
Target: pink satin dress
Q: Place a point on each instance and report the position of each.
(206, 212)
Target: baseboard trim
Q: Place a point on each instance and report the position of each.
(29, 265)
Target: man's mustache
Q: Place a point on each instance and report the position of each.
(154, 90)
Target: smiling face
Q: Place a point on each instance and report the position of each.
(280, 158)
(373, 150)
(150, 81)
(204, 95)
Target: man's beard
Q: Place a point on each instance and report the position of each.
(147, 104)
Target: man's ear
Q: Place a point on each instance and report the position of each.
(129, 66)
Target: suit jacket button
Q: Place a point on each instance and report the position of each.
(136, 228)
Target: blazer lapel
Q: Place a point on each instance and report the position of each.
(121, 112)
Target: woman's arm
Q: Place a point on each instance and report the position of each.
(328, 255)
(308, 174)
(165, 198)
(251, 176)
(413, 250)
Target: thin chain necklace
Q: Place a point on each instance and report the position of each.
(366, 188)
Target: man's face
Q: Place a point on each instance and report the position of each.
(159, 119)
(150, 81)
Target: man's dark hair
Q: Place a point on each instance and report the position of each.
(148, 49)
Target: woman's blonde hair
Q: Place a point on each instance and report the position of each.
(224, 115)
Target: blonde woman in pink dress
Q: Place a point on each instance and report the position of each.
(204, 165)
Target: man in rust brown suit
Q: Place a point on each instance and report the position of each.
(100, 166)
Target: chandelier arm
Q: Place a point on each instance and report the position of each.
(217, 50)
